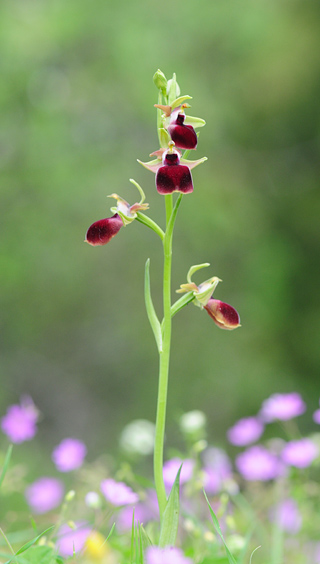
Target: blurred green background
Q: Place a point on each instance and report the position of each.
(77, 111)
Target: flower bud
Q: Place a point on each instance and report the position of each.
(102, 231)
(224, 315)
(160, 81)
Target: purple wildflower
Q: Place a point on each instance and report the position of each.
(144, 511)
(316, 416)
(19, 423)
(282, 407)
(44, 494)
(69, 455)
(258, 463)
(72, 540)
(217, 470)
(118, 493)
(168, 555)
(170, 470)
(299, 453)
(245, 431)
(287, 516)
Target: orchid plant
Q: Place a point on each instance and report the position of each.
(177, 137)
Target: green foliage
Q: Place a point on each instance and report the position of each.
(170, 521)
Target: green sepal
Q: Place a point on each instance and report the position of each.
(194, 269)
(170, 519)
(194, 121)
(152, 316)
(192, 164)
(178, 101)
(216, 525)
(173, 90)
(164, 138)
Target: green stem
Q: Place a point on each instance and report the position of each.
(145, 220)
(164, 355)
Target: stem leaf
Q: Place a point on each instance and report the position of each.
(170, 521)
(152, 316)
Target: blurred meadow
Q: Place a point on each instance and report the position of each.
(77, 97)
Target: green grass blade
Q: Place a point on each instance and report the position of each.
(218, 530)
(6, 464)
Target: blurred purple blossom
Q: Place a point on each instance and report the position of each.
(258, 463)
(287, 516)
(19, 423)
(217, 470)
(69, 455)
(144, 511)
(316, 416)
(71, 540)
(44, 494)
(299, 453)
(171, 467)
(282, 407)
(245, 431)
(168, 555)
(118, 493)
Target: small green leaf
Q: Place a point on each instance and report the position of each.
(33, 541)
(152, 316)
(170, 520)
(216, 525)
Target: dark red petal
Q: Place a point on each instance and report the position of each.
(100, 232)
(174, 178)
(224, 315)
(184, 136)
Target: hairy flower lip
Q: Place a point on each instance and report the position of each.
(103, 230)
(174, 178)
(184, 136)
(224, 315)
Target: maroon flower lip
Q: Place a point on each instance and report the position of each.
(172, 176)
(184, 136)
(224, 315)
(102, 231)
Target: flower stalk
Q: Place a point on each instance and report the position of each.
(176, 131)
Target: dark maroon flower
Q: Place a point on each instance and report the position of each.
(184, 136)
(172, 171)
(224, 315)
(102, 231)
(172, 176)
